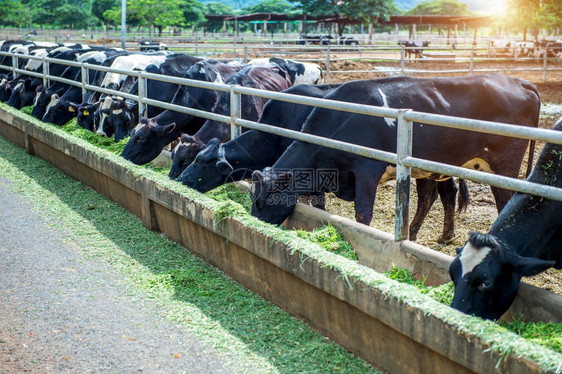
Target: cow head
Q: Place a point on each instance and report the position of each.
(184, 154)
(121, 116)
(5, 90)
(42, 99)
(59, 111)
(87, 116)
(103, 128)
(23, 95)
(147, 141)
(486, 275)
(209, 170)
(273, 199)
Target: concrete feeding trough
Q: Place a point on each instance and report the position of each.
(387, 323)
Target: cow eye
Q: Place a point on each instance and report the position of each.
(485, 286)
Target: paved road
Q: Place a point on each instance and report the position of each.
(63, 312)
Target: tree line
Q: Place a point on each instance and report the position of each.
(519, 16)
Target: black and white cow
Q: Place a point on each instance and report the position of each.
(152, 135)
(270, 78)
(484, 97)
(414, 48)
(525, 240)
(123, 114)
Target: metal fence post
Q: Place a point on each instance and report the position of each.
(545, 62)
(471, 60)
(45, 73)
(84, 79)
(15, 63)
(235, 112)
(142, 94)
(402, 59)
(196, 47)
(245, 54)
(403, 177)
(328, 65)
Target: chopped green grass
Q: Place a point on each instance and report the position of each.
(546, 334)
(329, 238)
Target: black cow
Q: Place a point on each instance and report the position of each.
(236, 159)
(414, 48)
(271, 78)
(123, 114)
(151, 136)
(484, 97)
(250, 151)
(525, 240)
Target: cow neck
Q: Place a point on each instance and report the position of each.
(527, 222)
(253, 150)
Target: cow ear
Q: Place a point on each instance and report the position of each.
(214, 142)
(459, 250)
(71, 109)
(224, 167)
(73, 105)
(529, 266)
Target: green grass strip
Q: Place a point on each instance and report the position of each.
(223, 314)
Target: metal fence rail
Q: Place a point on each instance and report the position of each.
(405, 119)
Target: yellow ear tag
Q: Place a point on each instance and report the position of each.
(86, 113)
(70, 109)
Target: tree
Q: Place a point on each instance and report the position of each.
(364, 11)
(217, 8)
(533, 15)
(100, 6)
(269, 6)
(61, 13)
(13, 13)
(192, 12)
(440, 8)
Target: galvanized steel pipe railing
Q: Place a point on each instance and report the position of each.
(403, 158)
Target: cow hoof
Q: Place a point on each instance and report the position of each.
(444, 240)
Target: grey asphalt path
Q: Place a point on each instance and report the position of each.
(61, 312)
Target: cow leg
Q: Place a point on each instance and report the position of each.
(366, 191)
(447, 192)
(427, 194)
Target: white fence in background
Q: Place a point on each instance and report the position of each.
(405, 118)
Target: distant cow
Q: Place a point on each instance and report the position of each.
(271, 78)
(414, 48)
(525, 240)
(500, 47)
(484, 97)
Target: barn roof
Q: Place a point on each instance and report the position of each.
(398, 19)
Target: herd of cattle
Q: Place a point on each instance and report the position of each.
(517, 49)
(524, 240)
